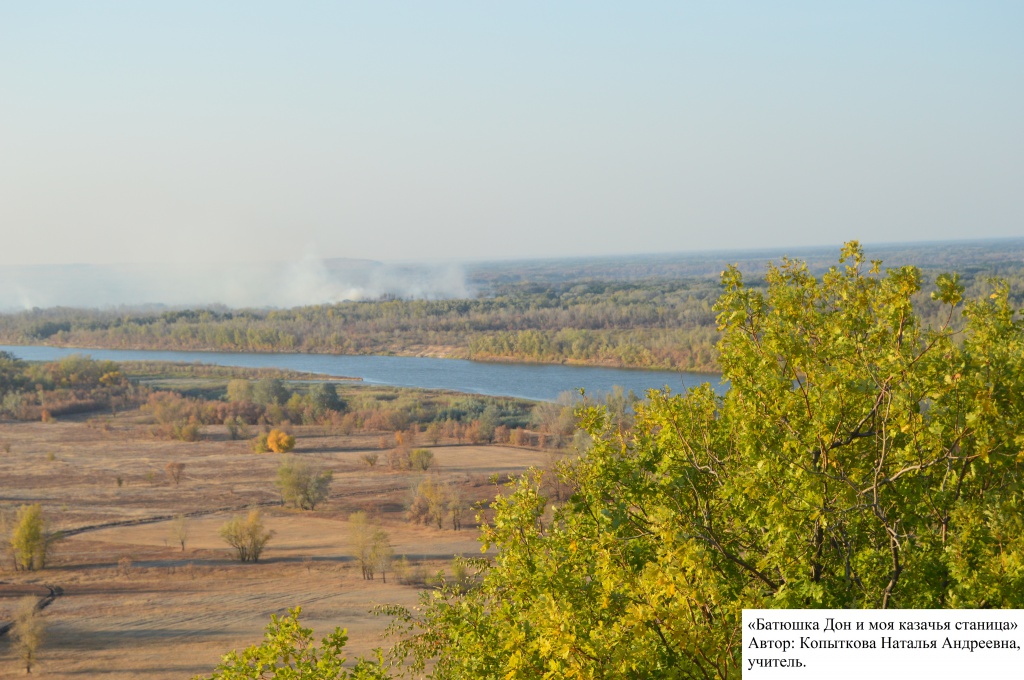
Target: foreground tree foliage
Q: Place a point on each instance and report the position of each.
(858, 459)
(288, 652)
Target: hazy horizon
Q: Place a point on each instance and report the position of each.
(313, 280)
(203, 133)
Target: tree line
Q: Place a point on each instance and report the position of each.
(653, 323)
(647, 324)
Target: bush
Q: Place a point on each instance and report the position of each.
(280, 441)
(237, 427)
(177, 417)
(301, 484)
(247, 536)
(433, 503)
(175, 471)
(421, 459)
(259, 443)
(398, 458)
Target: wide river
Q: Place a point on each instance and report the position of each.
(529, 381)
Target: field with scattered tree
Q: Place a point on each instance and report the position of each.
(867, 453)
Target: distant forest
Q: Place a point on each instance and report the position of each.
(594, 312)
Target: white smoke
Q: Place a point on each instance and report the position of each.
(306, 281)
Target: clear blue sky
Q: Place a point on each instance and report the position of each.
(180, 131)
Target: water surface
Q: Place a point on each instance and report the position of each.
(528, 381)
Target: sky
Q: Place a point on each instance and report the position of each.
(199, 132)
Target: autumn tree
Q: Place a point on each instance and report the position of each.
(421, 459)
(239, 390)
(302, 484)
(280, 441)
(431, 503)
(246, 535)
(434, 433)
(174, 471)
(176, 416)
(859, 458)
(381, 553)
(360, 530)
(180, 530)
(28, 631)
(30, 541)
(12, 373)
(236, 426)
(370, 545)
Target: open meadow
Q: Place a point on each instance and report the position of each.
(136, 603)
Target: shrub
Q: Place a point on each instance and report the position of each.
(280, 441)
(237, 427)
(301, 484)
(398, 458)
(246, 535)
(430, 503)
(177, 417)
(421, 459)
(259, 443)
(175, 471)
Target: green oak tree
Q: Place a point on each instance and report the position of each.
(858, 458)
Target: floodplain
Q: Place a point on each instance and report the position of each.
(135, 603)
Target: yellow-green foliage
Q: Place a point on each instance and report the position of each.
(29, 539)
(288, 651)
(280, 441)
(858, 460)
(247, 536)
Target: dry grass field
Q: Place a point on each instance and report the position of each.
(136, 605)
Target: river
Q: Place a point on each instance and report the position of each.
(541, 382)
